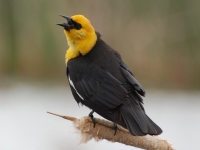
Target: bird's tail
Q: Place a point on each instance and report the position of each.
(137, 122)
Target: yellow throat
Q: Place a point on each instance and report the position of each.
(80, 41)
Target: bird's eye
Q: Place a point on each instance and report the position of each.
(78, 26)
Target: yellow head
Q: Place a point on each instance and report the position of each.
(80, 35)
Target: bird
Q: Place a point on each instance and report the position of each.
(100, 80)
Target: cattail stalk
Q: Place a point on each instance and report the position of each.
(105, 130)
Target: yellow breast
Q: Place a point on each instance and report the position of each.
(79, 43)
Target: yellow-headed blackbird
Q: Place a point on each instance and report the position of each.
(100, 80)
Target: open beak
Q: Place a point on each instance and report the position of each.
(67, 26)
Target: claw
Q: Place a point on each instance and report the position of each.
(115, 128)
(92, 118)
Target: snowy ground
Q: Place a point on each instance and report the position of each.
(25, 125)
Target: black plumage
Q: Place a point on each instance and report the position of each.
(101, 81)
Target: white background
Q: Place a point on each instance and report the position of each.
(25, 125)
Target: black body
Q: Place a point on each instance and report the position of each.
(109, 88)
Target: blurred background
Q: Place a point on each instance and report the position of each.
(158, 40)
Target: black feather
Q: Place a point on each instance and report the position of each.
(129, 76)
(110, 89)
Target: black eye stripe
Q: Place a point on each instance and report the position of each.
(78, 26)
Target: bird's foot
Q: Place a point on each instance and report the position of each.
(115, 128)
(92, 118)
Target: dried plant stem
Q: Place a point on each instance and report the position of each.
(105, 130)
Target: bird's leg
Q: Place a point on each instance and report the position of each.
(92, 117)
(115, 128)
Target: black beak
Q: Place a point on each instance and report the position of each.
(66, 17)
(67, 26)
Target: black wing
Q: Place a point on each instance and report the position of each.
(95, 85)
(130, 77)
